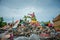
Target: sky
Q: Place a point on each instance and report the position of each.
(44, 10)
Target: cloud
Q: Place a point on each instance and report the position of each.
(44, 9)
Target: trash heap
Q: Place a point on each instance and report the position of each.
(27, 27)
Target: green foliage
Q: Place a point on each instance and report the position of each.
(1, 19)
(47, 22)
(2, 23)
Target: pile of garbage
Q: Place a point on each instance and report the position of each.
(28, 27)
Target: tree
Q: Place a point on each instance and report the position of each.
(46, 23)
(1, 19)
(2, 23)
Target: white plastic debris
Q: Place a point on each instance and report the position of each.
(34, 37)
